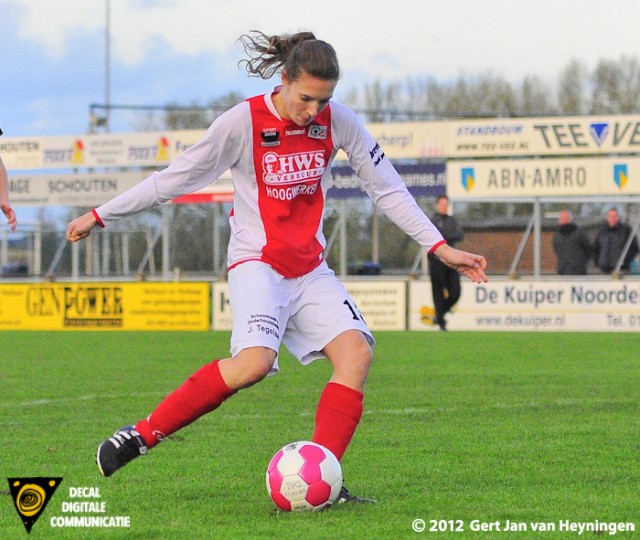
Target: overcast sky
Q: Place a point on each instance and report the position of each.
(52, 52)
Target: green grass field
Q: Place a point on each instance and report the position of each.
(531, 428)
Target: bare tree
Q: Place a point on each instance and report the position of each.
(607, 78)
(616, 87)
(199, 117)
(382, 102)
(630, 85)
(572, 89)
(535, 97)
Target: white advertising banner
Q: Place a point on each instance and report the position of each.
(620, 176)
(572, 135)
(398, 140)
(589, 306)
(150, 149)
(19, 153)
(493, 137)
(508, 178)
(86, 189)
(381, 303)
(221, 318)
(411, 140)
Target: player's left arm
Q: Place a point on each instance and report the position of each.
(471, 265)
(385, 187)
(81, 227)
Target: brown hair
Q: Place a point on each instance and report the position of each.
(295, 54)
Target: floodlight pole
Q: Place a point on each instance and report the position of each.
(107, 65)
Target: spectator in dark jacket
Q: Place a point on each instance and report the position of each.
(572, 247)
(610, 242)
(445, 283)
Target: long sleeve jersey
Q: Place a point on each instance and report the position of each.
(280, 173)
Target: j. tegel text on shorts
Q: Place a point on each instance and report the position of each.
(580, 528)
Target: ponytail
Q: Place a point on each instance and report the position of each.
(296, 54)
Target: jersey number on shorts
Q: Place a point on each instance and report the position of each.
(356, 317)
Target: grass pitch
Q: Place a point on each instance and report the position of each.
(460, 430)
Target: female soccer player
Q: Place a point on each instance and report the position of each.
(279, 147)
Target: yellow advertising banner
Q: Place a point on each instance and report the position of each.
(105, 306)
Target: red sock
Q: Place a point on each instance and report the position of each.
(337, 417)
(201, 393)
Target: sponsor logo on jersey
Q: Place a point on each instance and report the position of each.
(317, 132)
(376, 154)
(291, 175)
(292, 168)
(290, 132)
(291, 192)
(270, 137)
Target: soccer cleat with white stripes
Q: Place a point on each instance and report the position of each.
(123, 446)
(346, 497)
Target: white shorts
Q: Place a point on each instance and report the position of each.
(303, 313)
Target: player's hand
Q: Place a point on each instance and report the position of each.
(81, 227)
(471, 265)
(10, 215)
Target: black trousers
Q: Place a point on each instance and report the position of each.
(445, 283)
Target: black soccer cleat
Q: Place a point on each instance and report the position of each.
(125, 444)
(346, 497)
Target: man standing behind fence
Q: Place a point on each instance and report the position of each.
(445, 283)
(572, 246)
(611, 241)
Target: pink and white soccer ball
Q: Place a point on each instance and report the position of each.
(304, 476)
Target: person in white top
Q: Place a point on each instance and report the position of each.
(279, 147)
(5, 205)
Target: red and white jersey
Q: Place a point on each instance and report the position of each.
(280, 173)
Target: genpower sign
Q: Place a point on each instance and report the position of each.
(105, 306)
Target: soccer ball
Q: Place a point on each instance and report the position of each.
(304, 476)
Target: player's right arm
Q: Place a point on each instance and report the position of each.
(197, 167)
(4, 197)
(81, 227)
